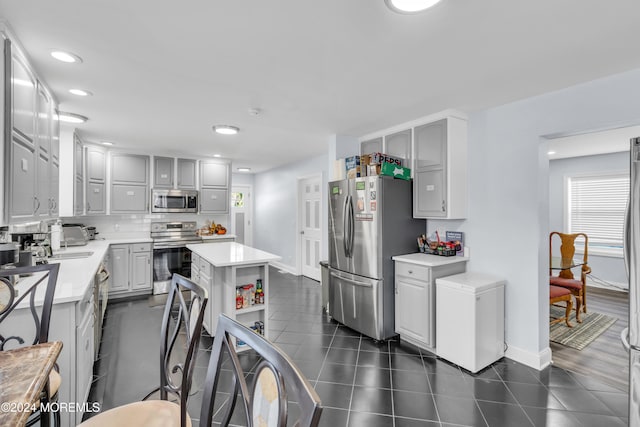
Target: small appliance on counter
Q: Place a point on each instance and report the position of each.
(91, 232)
(75, 234)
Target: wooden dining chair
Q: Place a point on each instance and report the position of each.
(276, 386)
(556, 295)
(565, 278)
(180, 338)
(25, 315)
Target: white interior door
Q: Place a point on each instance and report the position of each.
(242, 214)
(309, 209)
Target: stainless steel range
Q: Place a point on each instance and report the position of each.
(170, 253)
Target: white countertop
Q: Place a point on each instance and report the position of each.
(226, 254)
(429, 260)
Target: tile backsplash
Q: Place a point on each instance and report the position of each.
(130, 224)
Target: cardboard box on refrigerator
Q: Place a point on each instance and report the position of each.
(352, 166)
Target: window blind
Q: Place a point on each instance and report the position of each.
(596, 206)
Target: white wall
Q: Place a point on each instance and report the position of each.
(508, 221)
(275, 205)
(242, 179)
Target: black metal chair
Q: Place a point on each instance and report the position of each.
(277, 382)
(31, 302)
(180, 332)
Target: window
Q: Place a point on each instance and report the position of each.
(596, 206)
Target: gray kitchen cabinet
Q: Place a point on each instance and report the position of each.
(55, 135)
(43, 187)
(187, 169)
(78, 176)
(129, 198)
(215, 179)
(440, 169)
(163, 172)
(55, 188)
(371, 146)
(129, 169)
(398, 145)
(129, 183)
(415, 306)
(130, 269)
(214, 200)
(23, 96)
(43, 121)
(95, 180)
(23, 180)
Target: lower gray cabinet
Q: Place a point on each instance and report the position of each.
(214, 200)
(129, 198)
(130, 266)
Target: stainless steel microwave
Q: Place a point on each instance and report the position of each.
(173, 201)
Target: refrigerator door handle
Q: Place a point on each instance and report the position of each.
(624, 337)
(352, 226)
(626, 247)
(345, 225)
(353, 282)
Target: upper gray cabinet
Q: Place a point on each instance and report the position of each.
(371, 146)
(78, 176)
(440, 169)
(215, 179)
(95, 180)
(23, 96)
(129, 183)
(187, 170)
(163, 172)
(398, 145)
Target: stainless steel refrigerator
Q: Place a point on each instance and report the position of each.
(370, 220)
(631, 335)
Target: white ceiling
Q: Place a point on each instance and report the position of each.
(163, 72)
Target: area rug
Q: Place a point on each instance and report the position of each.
(582, 334)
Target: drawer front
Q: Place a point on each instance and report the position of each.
(141, 247)
(195, 260)
(203, 265)
(417, 272)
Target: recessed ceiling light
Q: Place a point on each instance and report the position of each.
(217, 155)
(551, 152)
(244, 169)
(71, 117)
(410, 6)
(106, 143)
(226, 129)
(80, 92)
(63, 56)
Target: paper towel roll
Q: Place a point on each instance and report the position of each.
(56, 232)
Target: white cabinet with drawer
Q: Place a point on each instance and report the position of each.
(415, 307)
(131, 269)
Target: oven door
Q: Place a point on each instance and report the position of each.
(168, 260)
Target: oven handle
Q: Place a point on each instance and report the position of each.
(174, 245)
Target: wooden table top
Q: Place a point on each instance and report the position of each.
(23, 374)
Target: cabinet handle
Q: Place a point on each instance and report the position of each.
(88, 206)
(410, 271)
(36, 204)
(443, 206)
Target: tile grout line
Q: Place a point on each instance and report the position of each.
(433, 398)
(393, 403)
(353, 384)
(324, 360)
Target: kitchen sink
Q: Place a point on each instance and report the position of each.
(71, 255)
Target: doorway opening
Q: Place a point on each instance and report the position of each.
(309, 226)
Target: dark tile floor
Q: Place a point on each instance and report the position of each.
(361, 382)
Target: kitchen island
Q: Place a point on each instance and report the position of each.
(224, 269)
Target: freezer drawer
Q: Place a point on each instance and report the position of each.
(356, 302)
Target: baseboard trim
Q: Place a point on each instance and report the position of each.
(285, 267)
(537, 361)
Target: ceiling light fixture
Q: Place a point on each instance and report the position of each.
(226, 129)
(244, 169)
(71, 117)
(217, 155)
(410, 6)
(67, 57)
(80, 92)
(107, 143)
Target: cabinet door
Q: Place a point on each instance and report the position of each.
(96, 198)
(129, 199)
(78, 196)
(371, 146)
(163, 172)
(55, 188)
(96, 164)
(140, 271)
(429, 194)
(187, 174)
(430, 142)
(55, 135)
(23, 180)
(214, 201)
(399, 145)
(413, 309)
(43, 189)
(78, 169)
(43, 121)
(23, 98)
(129, 169)
(119, 257)
(214, 174)
(84, 355)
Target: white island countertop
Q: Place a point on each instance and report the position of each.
(229, 254)
(428, 260)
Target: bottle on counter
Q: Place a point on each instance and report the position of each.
(238, 298)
